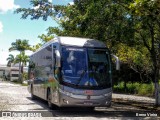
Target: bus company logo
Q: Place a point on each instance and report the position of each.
(6, 114)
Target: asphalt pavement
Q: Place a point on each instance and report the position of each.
(14, 97)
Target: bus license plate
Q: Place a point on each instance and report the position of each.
(88, 103)
(88, 92)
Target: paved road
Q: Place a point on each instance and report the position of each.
(14, 97)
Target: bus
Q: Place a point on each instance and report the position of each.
(72, 72)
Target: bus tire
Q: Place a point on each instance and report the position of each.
(91, 108)
(33, 97)
(49, 99)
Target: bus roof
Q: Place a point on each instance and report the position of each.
(82, 42)
(75, 41)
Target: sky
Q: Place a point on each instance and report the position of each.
(12, 27)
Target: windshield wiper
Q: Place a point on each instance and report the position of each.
(80, 78)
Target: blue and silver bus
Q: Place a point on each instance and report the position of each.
(71, 71)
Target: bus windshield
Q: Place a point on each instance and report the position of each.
(99, 67)
(73, 63)
(85, 67)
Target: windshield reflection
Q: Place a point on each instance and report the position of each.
(76, 72)
(99, 67)
(74, 63)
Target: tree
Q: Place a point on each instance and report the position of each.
(105, 20)
(146, 15)
(23, 59)
(45, 38)
(10, 60)
(21, 46)
(41, 8)
(35, 47)
(136, 58)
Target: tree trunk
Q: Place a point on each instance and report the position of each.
(157, 94)
(155, 56)
(20, 71)
(156, 79)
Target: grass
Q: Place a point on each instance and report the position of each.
(136, 88)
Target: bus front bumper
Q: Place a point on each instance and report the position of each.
(85, 100)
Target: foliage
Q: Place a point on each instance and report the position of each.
(147, 90)
(45, 38)
(10, 60)
(22, 58)
(20, 45)
(103, 20)
(35, 47)
(135, 88)
(41, 8)
(137, 58)
(25, 75)
(119, 88)
(146, 16)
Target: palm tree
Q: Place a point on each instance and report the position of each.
(22, 58)
(21, 46)
(10, 60)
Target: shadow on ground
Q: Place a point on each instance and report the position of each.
(120, 110)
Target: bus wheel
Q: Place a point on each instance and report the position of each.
(32, 95)
(91, 108)
(49, 99)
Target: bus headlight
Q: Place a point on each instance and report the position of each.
(108, 94)
(65, 92)
(68, 93)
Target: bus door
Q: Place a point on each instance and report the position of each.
(56, 72)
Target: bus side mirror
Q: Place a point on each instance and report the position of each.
(117, 61)
(58, 58)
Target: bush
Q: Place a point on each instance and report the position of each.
(135, 88)
(119, 88)
(146, 89)
(132, 88)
